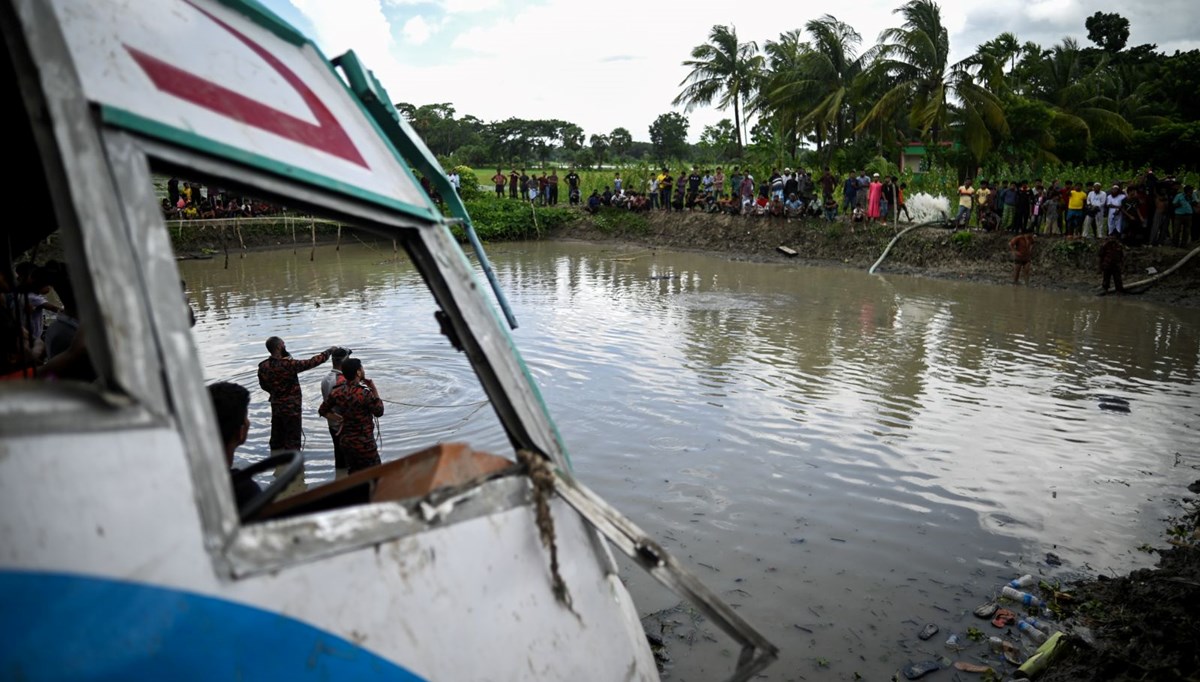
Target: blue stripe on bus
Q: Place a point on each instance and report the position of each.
(71, 627)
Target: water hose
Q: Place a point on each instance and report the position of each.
(903, 232)
(1164, 273)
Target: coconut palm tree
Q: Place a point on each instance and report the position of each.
(1077, 94)
(778, 96)
(814, 83)
(913, 60)
(991, 59)
(723, 69)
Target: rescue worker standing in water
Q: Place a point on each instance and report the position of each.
(358, 402)
(278, 376)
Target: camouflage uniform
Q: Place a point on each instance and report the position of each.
(278, 377)
(1112, 258)
(358, 405)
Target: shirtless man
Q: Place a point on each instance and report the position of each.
(1021, 247)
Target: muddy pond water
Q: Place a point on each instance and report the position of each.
(843, 457)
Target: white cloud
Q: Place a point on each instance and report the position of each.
(468, 6)
(416, 30)
(359, 25)
(618, 64)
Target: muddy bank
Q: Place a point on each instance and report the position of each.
(200, 240)
(929, 252)
(1143, 625)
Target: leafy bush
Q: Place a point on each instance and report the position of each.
(468, 183)
(620, 221)
(1070, 249)
(962, 239)
(502, 220)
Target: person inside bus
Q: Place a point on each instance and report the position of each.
(231, 402)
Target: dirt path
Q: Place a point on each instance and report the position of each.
(930, 252)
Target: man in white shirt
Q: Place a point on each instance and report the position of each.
(1093, 212)
(455, 180)
(1116, 220)
(333, 378)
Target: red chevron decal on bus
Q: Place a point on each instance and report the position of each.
(327, 135)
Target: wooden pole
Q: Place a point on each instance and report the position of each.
(237, 226)
(339, 238)
(225, 246)
(293, 236)
(394, 249)
(312, 255)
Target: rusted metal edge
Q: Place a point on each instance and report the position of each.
(757, 652)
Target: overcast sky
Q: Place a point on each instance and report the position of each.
(617, 63)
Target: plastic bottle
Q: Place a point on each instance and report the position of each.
(1043, 625)
(1023, 597)
(996, 644)
(1033, 633)
(1024, 581)
(954, 642)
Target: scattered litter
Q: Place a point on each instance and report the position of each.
(801, 627)
(1024, 581)
(955, 642)
(1151, 270)
(797, 541)
(837, 539)
(986, 610)
(1004, 618)
(968, 667)
(928, 631)
(1040, 660)
(914, 670)
(790, 253)
(1012, 654)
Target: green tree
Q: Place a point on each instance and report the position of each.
(1109, 31)
(816, 83)
(571, 136)
(719, 141)
(619, 142)
(600, 146)
(1077, 95)
(722, 69)
(668, 136)
(913, 60)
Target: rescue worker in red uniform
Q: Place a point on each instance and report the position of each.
(278, 376)
(358, 403)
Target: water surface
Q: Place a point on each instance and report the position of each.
(843, 457)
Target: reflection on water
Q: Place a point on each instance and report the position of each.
(843, 457)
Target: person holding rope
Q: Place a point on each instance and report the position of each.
(358, 403)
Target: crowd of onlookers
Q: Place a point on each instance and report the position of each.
(193, 201)
(1147, 209)
(787, 194)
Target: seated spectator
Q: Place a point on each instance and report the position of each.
(594, 202)
(231, 402)
(831, 208)
(760, 205)
(793, 207)
(775, 208)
